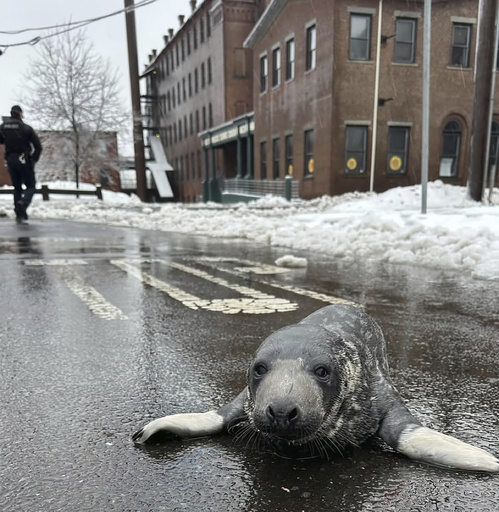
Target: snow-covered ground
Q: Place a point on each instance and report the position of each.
(455, 233)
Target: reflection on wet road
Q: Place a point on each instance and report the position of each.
(106, 328)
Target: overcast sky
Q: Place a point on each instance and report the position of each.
(108, 36)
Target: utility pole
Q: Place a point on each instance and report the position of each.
(480, 126)
(138, 134)
(425, 148)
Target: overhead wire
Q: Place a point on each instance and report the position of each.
(72, 25)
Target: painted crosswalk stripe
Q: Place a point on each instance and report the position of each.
(97, 304)
(252, 302)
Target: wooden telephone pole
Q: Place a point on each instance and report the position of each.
(138, 134)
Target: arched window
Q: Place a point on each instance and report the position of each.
(451, 146)
(494, 139)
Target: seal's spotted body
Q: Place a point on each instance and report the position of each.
(321, 385)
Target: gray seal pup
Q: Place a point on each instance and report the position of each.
(319, 386)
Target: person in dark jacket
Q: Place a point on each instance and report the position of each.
(22, 150)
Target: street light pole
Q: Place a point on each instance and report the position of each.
(425, 153)
(138, 134)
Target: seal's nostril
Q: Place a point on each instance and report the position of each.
(293, 415)
(270, 413)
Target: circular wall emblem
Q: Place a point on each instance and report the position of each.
(352, 164)
(395, 163)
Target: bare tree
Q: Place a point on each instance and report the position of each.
(74, 90)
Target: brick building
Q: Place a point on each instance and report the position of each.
(202, 78)
(277, 88)
(314, 93)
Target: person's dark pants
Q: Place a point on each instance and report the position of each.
(21, 173)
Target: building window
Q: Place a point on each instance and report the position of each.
(204, 118)
(184, 90)
(182, 43)
(186, 133)
(177, 55)
(199, 165)
(195, 36)
(203, 76)
(263, 160)
(187, 170)
(264, 73)
(173, 96)
(167, 62)
(169, 101)
(209, 70)
(276, 67)
(360, 37)
(309, 164)
(178, 93)
(398, 145)
(188, 43)
(275, 158)
(460, 51)
(201, 30)
(189, 79)
(197, 121)
(311, 48)
(290, 59)
(356, 149)
(175, 133)
(180, 129)
(193, 167)
(451, 147)
(191, 124)
(405, 41)
(208, 25)
(196, 81)
(210, 116)
(289, 154)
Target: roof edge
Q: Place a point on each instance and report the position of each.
(264, 23)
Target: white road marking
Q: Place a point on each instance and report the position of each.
(97, 304)
(268, 269)
(56, 262)
(254, 301)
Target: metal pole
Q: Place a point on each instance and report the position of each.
(491, 116)
(376, 94)
(138, 134)
(425, 153)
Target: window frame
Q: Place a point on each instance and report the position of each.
(263, 159)
(367, 40)
(290, 62)
(454, 46)
(308, 152)
(394, 153)
(264, 73)
(311, 46)
(353, 152)
(449, 132)
(276, 157)
(288, 157)
(411, 43)
(276, 67)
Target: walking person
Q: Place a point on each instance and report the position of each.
(22, 150)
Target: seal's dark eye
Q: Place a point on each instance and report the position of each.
(322, 372)
(260, 369)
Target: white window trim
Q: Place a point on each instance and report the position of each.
(310, 24)
(361, 10)
(401, 124)
(357, 123)
(408, 14)
(461, 19)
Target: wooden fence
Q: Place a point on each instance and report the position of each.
(45, 191)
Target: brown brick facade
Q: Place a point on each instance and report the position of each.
(340, 92)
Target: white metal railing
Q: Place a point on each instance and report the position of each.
(260, 187)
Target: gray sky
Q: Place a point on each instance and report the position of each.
(108, 36)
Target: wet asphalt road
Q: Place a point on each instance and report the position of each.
(100, 334)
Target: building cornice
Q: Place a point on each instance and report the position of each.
(265, 22)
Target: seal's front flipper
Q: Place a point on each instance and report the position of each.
(194, 424)
(405, 434)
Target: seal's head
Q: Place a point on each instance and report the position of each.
(294, 386)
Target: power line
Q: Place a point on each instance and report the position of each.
(72, 25)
